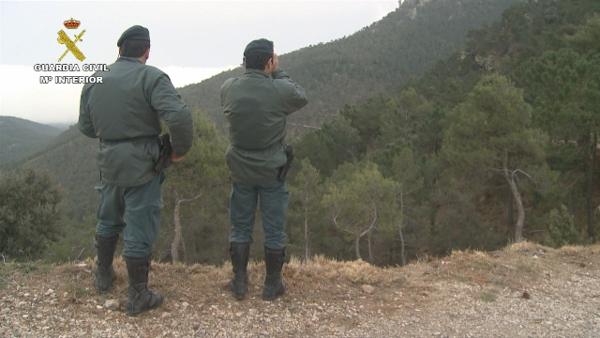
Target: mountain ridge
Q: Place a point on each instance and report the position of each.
(376, 59)
(20, 138)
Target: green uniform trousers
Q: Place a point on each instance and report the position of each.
(273, 208)
(135, 211)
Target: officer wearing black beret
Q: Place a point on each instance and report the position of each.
(124, 113)
(257, 105)
(134, 33)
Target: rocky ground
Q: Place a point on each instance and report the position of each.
(525, 290)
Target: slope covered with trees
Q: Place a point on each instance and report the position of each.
(485, 149)
(20, 138)
(494, 144)
(378, 58)
(70, 160)
(497, 143)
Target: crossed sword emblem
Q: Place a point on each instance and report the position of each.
(64, 39)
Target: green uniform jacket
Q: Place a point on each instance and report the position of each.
(124, 111)
(256, 106)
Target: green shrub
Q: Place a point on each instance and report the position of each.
(28, 214)
(561, 227)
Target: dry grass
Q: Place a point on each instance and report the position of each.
(333, 291)
(513, 267)
(354, 272)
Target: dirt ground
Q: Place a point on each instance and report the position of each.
(525, 290)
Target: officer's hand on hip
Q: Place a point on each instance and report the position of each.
(176, 158)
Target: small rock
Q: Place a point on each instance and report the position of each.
(368, 288)
(111, 304)
(48, 292)
(185, 304)
(526, 295)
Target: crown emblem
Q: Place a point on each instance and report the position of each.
(72, 23)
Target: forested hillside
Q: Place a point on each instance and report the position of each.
(378, 58)
(21, 138)
(70, 160)
(493, 145)
(497, 143)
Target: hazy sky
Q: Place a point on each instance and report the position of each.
(191, 40)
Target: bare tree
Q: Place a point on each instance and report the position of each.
(178, 230)
(360, 199)
(363, 230)
(511, 179)
(401, 227)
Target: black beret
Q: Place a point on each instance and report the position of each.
(136, 32)
(260, 46)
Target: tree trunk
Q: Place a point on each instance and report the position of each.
(510, 217)
(400, 226)
(306, 248)
(511, 179)
(520, 209)
(367, 231)
(177, 227)
(357, 247)
(590, 187)
(369, 242)
(402, 246)
(177, 238)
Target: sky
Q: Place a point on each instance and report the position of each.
(191, 40)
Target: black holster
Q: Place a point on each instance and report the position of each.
(283, 171)
(164, 158)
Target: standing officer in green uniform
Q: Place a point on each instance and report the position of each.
(124, 112)
(256, 106)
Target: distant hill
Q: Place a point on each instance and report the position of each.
(62, 126)
(20, 138)
(377, 59)
(70, 160)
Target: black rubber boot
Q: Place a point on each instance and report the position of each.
(239, 253)
(105, 250)
(140, 298)
(274, 286)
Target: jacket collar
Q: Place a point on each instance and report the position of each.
(130, 59)
(256, 72)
